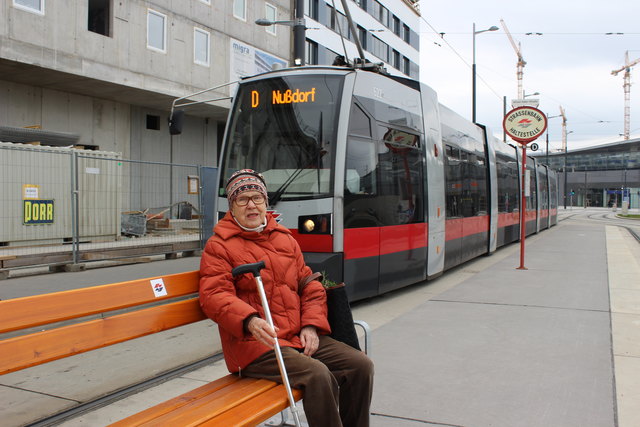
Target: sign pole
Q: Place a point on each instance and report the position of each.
(524, 124)
(523, 208)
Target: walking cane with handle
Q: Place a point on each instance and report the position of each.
(255, 270)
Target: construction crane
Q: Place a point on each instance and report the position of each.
(564, 129)
(627, 91)
(521, 61)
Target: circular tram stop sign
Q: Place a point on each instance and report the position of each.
(524, 124)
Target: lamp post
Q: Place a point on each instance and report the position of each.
(549, 117)
(473, 70)
(299, 28)
(565, 133)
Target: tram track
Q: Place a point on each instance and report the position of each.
(607, 217)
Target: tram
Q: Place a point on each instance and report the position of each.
(380, 184)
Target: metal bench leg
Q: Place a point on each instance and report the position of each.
(367, 335)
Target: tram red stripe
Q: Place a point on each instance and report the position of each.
(507, 219)
(361, 242)
(398, 238)
(314, 242)
(462, 227)
(376, 241)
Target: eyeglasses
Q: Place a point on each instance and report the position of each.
(257, 199)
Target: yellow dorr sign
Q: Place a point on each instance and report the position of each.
(37, 212)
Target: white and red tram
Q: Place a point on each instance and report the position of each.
(380, 184)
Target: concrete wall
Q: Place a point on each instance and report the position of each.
(99, 122)
(60, 76)
(60, 40)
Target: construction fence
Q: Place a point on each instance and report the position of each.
(65, 207)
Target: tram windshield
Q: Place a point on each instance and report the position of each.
(285, 128)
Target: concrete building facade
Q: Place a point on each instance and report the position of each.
(108, 70)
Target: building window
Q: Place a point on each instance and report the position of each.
(396, 60)
(362, 4)
(156, 30)
(311, 52)
(240, 9)
(406, 33)
(362, 35)
(406, 66)
(201, 47)
(99, 17)
(270, 14)
(311, 9)
(153, 122)
(396, 26)
(339, 24)
(381, 13)
(380, 49)
(36, 6)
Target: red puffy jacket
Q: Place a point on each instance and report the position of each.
(228, 301)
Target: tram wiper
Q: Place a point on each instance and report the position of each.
(275, 197)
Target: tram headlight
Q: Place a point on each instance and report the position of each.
(314, 224)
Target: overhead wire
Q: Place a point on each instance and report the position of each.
(441, 35)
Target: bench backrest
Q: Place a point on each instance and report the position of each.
(93, 317)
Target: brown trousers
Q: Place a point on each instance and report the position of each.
(337, 382)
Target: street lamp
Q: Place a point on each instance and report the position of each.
(299, 28)
(565, 168)
(549, 117)
(531, 94)
(473, 70)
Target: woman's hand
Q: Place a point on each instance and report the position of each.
(262, 331)
(309, 339)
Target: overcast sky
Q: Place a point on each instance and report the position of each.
(570, 64)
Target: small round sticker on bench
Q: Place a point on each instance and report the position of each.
(159, 290)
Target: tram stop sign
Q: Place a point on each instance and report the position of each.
(524, 124)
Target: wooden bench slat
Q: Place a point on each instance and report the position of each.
(256, 410)
(34, 349)
(22, 313)
(196, 412)
(170, 405)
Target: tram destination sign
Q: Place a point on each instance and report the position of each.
(524, 124)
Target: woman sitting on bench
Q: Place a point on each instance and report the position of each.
(337, 379)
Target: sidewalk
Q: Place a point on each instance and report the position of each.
(486, 344)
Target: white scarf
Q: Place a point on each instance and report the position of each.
(257, 229)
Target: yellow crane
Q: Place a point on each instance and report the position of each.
(521, 61)
(627, 91)
(564, 129)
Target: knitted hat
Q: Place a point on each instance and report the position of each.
(245, 180)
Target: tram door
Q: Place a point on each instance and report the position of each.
(384, 228)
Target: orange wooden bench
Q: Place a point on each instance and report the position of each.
(230, 400)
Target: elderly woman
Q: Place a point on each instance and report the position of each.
(337, 380)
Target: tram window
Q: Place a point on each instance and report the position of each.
(507, 172)
(402, 195)
(383, 180)
(362, 165)
(453, 177)
(359, 122)
(531, 200)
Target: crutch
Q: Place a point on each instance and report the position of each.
(255, 270)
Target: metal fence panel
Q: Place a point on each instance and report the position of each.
(125, 208)
(30, 176)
